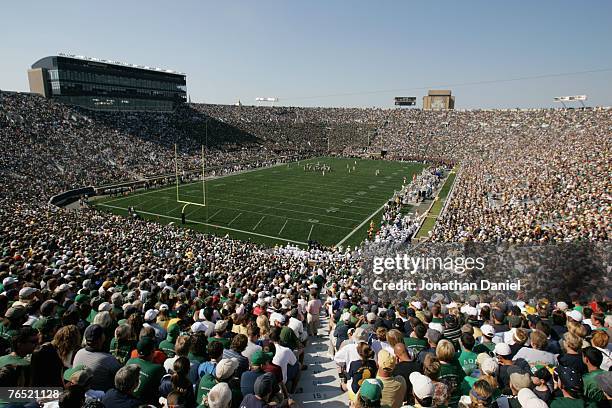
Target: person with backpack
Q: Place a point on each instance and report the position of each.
(361, 369)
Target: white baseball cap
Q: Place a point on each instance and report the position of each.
(574, 315)
(421, 385)
(105, 307)
(151, 315)
(9, 280)
(502, 349)
(27, 291)
(198, 327)
(487, 330)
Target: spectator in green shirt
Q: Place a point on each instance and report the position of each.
(167, 346)
(23, 344)
(593, 395)
(416, 341)
(466, 357)
(150, 373)
(486, 341)
(14, 318)
(220, 330)
(569, 383)
(122, 344)
(451, 372)
(224, 373)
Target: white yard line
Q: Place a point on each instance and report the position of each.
(360, 225)
(234, 219)
(311, 227)
(281, 230)
(212, 225)
(282, 209)
(257, 225)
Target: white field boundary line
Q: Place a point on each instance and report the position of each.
(212, 225)
(361, 225)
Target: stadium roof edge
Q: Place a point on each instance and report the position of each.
(112, 62)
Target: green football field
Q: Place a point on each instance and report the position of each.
(281, 204)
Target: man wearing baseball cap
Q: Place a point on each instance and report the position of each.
(248, 378)
(370, 392)
(394, 386)
(264, 388)
(102, 365)
(150, 373)
(220, 334)
(422, 390)
(568, 383)
(486, 341)
(224, 373)
(507, 367)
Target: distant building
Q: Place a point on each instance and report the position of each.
(436, 100)
(107, 85)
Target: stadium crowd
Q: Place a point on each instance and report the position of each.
(397, 227)
(123, 312)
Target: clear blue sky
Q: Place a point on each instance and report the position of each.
(300, 51)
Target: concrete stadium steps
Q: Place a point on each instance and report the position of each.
(320, 383)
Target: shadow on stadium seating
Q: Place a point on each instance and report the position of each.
(186, 126)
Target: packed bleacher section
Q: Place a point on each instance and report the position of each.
(123, 312)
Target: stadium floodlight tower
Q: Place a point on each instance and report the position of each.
(261, 100)
(574, 98)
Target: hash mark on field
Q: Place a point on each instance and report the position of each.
(256, 225)
(211, 217)
(235, 218)
(281, 230)
(311, 227)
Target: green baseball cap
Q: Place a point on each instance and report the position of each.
(259, 358)
(68, 373)
(82, 299)
(371, 389)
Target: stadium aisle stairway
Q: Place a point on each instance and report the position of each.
(320, 384)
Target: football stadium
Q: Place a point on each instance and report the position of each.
(436, 250)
